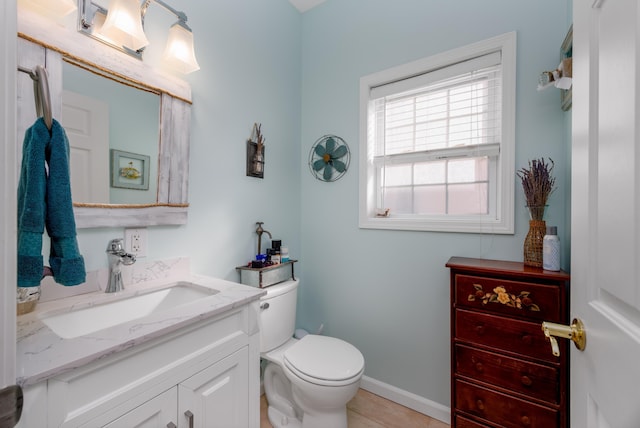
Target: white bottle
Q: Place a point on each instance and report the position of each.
(551, 250)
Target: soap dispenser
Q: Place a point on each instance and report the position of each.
(551, 250)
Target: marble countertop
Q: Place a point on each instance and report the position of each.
(42, 354)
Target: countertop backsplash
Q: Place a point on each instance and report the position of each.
(140, 271)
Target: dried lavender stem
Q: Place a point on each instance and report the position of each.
(538, 184)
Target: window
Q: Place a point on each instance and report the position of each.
(437, 142)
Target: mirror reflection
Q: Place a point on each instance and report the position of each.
(114, 134)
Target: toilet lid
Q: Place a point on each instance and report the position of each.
(324, 358)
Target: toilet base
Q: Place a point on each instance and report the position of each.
(334, 420)
(280, 420)
(285, 412)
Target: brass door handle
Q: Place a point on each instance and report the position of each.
(575, 332)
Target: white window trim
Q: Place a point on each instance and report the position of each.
(503, 223)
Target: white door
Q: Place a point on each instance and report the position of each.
(605, 235)
(8, 186)
(86, 123)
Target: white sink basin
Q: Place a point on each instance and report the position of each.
(88, 320)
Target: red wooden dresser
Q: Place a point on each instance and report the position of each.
(503, 373)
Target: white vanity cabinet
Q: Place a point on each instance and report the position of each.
(208, 369)
(214, 397)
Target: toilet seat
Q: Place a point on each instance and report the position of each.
(323, 360)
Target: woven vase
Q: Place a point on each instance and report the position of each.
(535, 236)
(533, 243)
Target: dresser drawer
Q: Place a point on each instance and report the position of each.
(518, 337)
(461, 422)
(525, 299)
(502, 409)
(530, 379)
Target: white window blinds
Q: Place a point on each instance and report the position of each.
(453, 107)
(424, 124)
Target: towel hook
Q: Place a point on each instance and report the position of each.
(41, 92)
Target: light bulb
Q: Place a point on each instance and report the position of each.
(124, 24)
(179, 53)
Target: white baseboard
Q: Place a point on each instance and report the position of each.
(407, 399)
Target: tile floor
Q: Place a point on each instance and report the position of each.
(367, 410)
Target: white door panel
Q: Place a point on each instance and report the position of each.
(218, 395)
(86, 123)
(8, 186)
(158, 412)
(605, 290)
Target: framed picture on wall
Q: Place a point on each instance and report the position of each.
(129, 170)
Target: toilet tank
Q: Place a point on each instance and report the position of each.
(277, 317)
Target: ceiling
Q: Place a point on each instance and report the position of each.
(305, 5)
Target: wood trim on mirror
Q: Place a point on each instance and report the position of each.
(175, 117)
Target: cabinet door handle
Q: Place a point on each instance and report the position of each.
(171, 425)
(189, 416)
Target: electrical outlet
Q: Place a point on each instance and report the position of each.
(135, 241)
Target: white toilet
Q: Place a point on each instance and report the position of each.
(308, 382)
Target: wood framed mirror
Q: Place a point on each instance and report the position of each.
(41, 42)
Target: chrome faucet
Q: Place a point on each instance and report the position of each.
(117, 256)
(260, 231)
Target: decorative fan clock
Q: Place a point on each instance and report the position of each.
(329, 158)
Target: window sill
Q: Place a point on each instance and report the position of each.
(459, 225)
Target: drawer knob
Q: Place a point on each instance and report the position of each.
(479, 367)
(480, 329)
(527, 339)
(526, 421)
(480, 404)
(526, 380)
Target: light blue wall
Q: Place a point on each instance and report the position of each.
(384, 291)
(387, 292)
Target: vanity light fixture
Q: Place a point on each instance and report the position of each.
(122, 27)
(179, 53)
(123, 24)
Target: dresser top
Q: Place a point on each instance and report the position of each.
(505, 268)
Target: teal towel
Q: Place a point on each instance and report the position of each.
(45, 199)
(31, 211)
